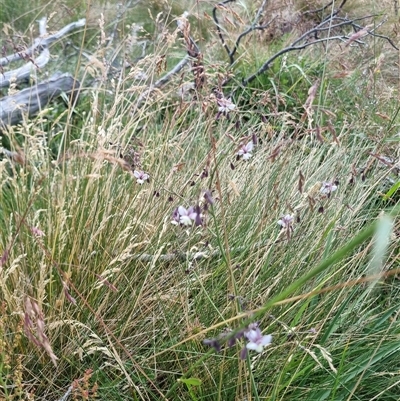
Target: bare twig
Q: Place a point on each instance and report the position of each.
(322, 9)
(372, 32)
(309, 38)
(122, 9)
(219, 30)
(42, 42)
(251, 28)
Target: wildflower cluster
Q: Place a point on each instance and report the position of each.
(253, 336)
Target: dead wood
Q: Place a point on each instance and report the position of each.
(43, 41)
(30, 101)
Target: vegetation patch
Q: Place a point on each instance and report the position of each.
(213, 214)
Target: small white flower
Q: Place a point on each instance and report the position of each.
(328, 188)
(245, 151)
(257, 341)
(140, 176)
(225, 105)
(186, 216)
(286, 221)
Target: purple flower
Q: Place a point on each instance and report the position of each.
(198, 219)
(183, 216)
(208, 198)
(224, 106)
(286, 221)
(140, 176)
(257, 341)
(328, 188)
(227, 336)
(213, 342)
(245, 151)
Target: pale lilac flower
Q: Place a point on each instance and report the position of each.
(186, 216)
(257, 341)
(245, 151)
(225, 106)
(286, 221)
(140, 176)
(328, 188)
(183, 216)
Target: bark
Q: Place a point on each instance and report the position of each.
(30, 101)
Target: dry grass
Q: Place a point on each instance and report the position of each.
(124, 321)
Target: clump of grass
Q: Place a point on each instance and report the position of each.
(127, 298)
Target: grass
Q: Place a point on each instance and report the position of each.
(124, 301)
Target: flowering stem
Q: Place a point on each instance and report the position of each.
(336, 257)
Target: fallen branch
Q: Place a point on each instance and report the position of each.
(25, 71)
(31, 100)
(42, 42)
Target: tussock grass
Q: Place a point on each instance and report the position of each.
(143, 302)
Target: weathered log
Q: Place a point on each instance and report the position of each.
(30, 101)
(25, 71)
(43, 41)
(40, 44)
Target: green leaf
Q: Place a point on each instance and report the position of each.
(191, 381)
(391, 191)
(381, 242)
